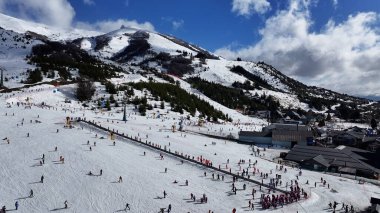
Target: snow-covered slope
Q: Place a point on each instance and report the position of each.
(53, 33)
(139, 51)
(118, 40)
(144, 176)
(14, 47)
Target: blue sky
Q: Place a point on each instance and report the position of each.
(333, 44)
(209, 23)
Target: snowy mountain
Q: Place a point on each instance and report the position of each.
(53, 33)
(128, 50)
(159, 84)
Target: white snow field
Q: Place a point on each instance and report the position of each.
(144, 177)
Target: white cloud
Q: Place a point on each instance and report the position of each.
(110, 25)
(342, 56)
(335, 3)
(248, 7)
(177, 24)
(89, 2)
(52, 12)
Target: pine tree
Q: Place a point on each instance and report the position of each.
(373, 123)
(328, 118)
(108, 105)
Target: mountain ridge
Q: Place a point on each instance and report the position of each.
(132, 50)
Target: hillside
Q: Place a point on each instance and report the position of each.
(68, 54)
(145, 119)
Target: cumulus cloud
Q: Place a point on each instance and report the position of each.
(52, 12)
(110, 25)
(248, 7)
(89, 2)
(342, 56)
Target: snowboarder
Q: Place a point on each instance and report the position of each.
(16, 205)
(127, 207)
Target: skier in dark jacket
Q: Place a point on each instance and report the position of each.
(16, 205)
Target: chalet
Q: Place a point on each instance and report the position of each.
(285, 135)
(342, 159)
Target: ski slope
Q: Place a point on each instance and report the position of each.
(144, 179)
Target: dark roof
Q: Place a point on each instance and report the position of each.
(254, 134)
(335, 157)
(321, 160)
(375, 200)
(291, 127)
(289, 135)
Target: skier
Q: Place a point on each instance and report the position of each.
(65, 204)
(56, 149)
(169, 208)
(31, 193)
(101, 172)
(166, 170)
(127, 207)
(120, 179)
(16, 205)
(164, 194)
(42, 179)
(187, 182)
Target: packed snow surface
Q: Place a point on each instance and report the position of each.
(144, 177)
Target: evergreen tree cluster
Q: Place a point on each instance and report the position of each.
(34, 76)
(258, 81)
(85, 89)
(62, 57)
(180, 100)
(110, 87)
(349, 111)
(233, 98)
